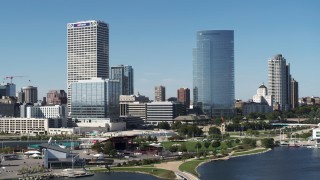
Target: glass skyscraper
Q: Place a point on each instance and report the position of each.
(213, 72)
(88, 51)
(95, 98)
(124, 74)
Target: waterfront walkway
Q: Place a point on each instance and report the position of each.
(174, 166)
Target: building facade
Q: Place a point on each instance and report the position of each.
(56, 111)
(7, 89)
(262, 96)
(294, 94)
(160, 93)
(28, 125)
(124, 74)
(183, 96)
(279, 80)
(30, 94)
(56, 97)
(163, 112)
(88, 51)
(95, 98)
(213, 72)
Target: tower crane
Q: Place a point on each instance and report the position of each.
(11, 77)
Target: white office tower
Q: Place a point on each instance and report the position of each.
(279, 81)
(88, 51)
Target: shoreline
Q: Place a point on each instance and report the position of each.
(227, 158)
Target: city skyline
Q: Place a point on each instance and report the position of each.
(159, 45)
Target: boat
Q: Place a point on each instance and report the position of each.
(72, 173)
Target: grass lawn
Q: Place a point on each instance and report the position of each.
(249, 152)
(190, 166)
(165, 174)
(190, 145)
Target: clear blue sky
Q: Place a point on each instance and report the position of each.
(157, 37)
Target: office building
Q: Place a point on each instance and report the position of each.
(163, 112)
(213, 72)
(124, 74)
(294, 94)
(88, 51)
(95, 98)
(160, 93)
(183, 96)
(7, 89)
(130, 103)
(28, 125)
(279, 79)
(56, 97)
(56, 111)
(30, 94)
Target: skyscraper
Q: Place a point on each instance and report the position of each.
(124, 74)
(213, 72)
(279, 79)
(30, 94)
(183, 96)
(294, 94)
(88, 51)
(160, 93)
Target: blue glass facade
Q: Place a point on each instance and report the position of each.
(95, 99)
(213, 72)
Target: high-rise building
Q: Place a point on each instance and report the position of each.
(88, 51)
(124, 74)
(279, 79)
(183, 96)
(213, 72)
(7, 89)
(30, 94)
(95, 98)
(294, 94)
(160, 93)
(56, 97)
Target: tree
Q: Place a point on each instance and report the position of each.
(198, 145)
(173, 148)
(176, 125)
(164, 125)
(214, 130)
(97, 147)
(206, 144)
(215, 144)
(267, 142)
(183, 147)
(108, 147)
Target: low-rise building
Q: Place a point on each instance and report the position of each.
(28, 125)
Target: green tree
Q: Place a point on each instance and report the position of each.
(215, 144)
(206, 144)
(176, 125)
(183, 147)
(173, 148)
(164, 125)
(97, 147)
(214, 130)
(267, 142)
(108, 147)
(198, 145)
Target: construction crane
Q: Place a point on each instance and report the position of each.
(11, 77)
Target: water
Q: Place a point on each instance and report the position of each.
(280, 163)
